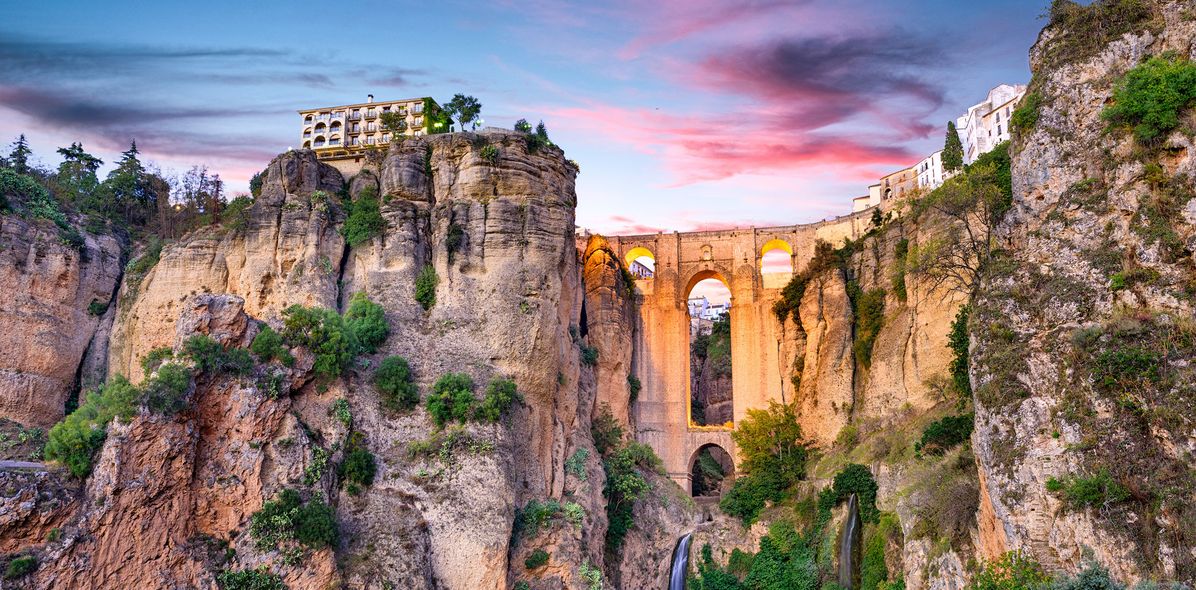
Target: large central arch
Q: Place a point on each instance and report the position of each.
(661, 355)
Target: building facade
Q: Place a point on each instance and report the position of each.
(895, 186)
(930, 171)
(342, 134)
(987, 124)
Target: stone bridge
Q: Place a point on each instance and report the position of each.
(661, 358)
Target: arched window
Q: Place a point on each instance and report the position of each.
(641, 262)
(319, 141)
(307, 145)
(307, 120)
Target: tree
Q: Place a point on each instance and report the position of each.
(952, 149)
(973, 203)
(771, 440)
(466, 108)
(18, 159)
(523, 126)
(201, 192)
(76, 178)
(395, 123)
(129, 189)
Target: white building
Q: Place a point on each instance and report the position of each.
(930, 171)
(871, 199)
(987, 124)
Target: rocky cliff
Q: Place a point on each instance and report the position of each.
(1082, 336)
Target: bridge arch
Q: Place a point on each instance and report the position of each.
(716, 272)
(709, 466)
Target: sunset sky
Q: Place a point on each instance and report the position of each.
(683, 114)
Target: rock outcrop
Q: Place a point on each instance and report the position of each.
(56, 296)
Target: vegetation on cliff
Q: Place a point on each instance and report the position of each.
(773, 458)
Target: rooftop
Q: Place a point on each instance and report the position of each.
(362, 104)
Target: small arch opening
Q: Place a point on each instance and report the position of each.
(641, 262)
(776, 257)
(710, 471)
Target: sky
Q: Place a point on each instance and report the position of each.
(682, 114)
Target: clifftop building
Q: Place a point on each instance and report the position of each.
(987, 124)
(342, 134)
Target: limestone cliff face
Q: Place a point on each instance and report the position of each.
(1085, 209)
(47, 325)
(498, 232)
(289, 252)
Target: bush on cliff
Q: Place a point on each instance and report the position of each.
(212, 357)
(944, 433)
(1151, 97)
(394, 381)
(287, 518)
(451, 399)
(425, 287)
(166, 392)
(268, 346)
(258, 579)
(367, 321)
(365, 221)
(501, 394)
(74, 441)
(321, 331)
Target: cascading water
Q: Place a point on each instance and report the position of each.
(680, 564)
(849, 545)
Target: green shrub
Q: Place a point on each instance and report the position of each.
(522, 585)
(393, 379)
(825, 258)
(20, 567)
(874, 574)
(576, 464)
(258, 579)
(341, 410)
(900, 254)
(535, 515)
(869, 317)
(1087, 30)
(425, 287)
(137, 268)
(286, 518)
(454, 239)
(852, 479)
(1025, 117)
(944, 433)
(589, 355)
(1151, 97)
(606, 431)
(367, 321)
(236, 213)
(166, 392)
(268, 346)
(500, 396)
(538, 559)
(624, 486)
(97, 308)
(1093, 491)
(1126, 369)
(633, 386)
(489, 153)
(771, 440)
(74, 441)
(19, 187)
(751, 492)
(323, 332)
(154, 358)
(365, 221)
(451, 399)
(315, 525)
(958, 342)
(359, 467)
(211, 357)
(574, 513)
(1013, 571)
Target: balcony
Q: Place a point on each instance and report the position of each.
(355, 117)
(371, 115)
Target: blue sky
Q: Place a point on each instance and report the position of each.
(683, 114)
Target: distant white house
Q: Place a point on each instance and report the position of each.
(640, 270)
(987, 124)
(930, 171)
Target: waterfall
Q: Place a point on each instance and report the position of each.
(680, 564)
(849, 545)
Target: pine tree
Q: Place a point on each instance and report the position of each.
(952, 149)
(18, 160)
(128, 188)
(76, 177)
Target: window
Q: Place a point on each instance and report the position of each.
(998, 130)
(371, 114)
(370, 127)
(369, 140)
(307, 119)
(352, 141)
(385, 137)
(356, 128)
(418, 108)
